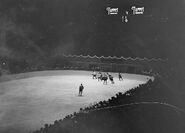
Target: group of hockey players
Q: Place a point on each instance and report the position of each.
(101, 76)
(104, 76)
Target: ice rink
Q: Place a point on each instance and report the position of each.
(30, 100)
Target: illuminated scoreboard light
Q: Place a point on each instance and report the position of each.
(137, 11)
(112, 11)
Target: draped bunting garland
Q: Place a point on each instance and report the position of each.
(115, 57)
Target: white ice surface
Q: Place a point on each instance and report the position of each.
(28, 101)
